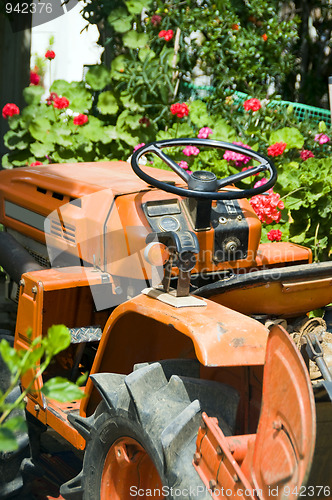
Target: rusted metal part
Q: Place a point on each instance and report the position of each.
(286, 433)
(217, 466)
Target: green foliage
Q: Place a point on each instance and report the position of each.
(36, 359)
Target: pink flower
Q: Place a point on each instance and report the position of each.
(260, 183)
(274, 235)
(51, 98)
(34, 78)
(183, 164)
(180, 109)
(155, 19)
(322, 138)
(35, 164)
(239, 158)
(190, 150)
(80, 119)
(50, 54)
(60, 102)
(276, 149)
(10, 109)
(139, 146)
(252, 104)
(204, 133)
(266, 206)
(306, 154)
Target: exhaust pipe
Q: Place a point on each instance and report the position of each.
(14, 258)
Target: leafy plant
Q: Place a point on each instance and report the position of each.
(36, 359)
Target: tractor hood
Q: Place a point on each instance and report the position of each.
(78, 179)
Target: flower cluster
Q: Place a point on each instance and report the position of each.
(322, 138)
(190, 150)
(60, 102)
(260, 183)
(139, 146)
(266, 206)
(239, 158)
(51, 98)
(50, 54)
(34, 78)
(10, 109)
(80, 119)
(252, 104)
(36, 163)
(204, 133)
(306, 154)
(144, 121)
(155, 19)
(183, 164)
(276, 149)
(274, 235)
(167, 35)
(180, 109)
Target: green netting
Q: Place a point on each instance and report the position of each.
(302, 111)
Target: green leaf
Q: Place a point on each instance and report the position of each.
(135, 40)
(198, 114)
(60, 87)
(119, 20)
(16, 140)
(93, 130)
(8, 440)
(118, 67)
(109, 134)
(10, 356)
(33, 94)
(97, 77)
(40, 130)
(146, 54)
(290, 135)
(62, 390)
(222, 131)
(32, 360)
(322, 126)
(58, 338)
(14, 121)
(107, 103)
(135, 7)
(40, 150)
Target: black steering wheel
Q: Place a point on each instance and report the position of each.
(204, 184)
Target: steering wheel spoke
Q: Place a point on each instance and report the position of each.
(170, 163)
(204, 185)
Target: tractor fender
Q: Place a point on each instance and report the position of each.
(145, 329)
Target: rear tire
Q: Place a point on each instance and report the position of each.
(142, 437)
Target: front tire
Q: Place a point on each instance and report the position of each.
(142, 437)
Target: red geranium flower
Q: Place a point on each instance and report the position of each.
(80, 119)
(253, 104)
(10, 109)
(60, 102)
(144, 121)
(276, 149)
(180, 109)
(235, 27)
(274, 235)
(34, 78)
(266, 206)
(50, 54)
(167, 35)
(306, 154)
(36, 163)
(264, 37)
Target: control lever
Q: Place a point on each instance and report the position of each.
(182, 248)
(315, 353)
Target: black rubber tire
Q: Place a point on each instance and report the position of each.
(11, 481)
(159, 406)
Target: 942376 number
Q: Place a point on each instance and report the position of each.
(308, 491)
(28, 8)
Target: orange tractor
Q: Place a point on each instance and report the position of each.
(207, 377)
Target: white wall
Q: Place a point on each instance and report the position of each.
(72, 48)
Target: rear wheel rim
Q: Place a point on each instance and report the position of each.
(129, 471)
